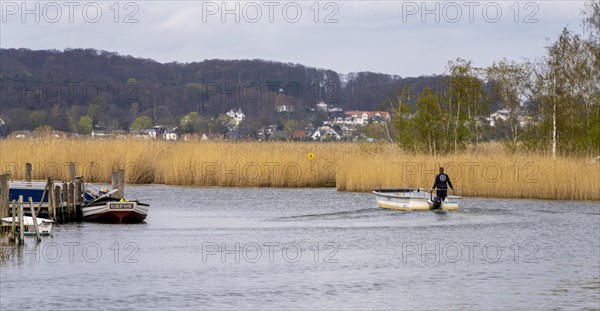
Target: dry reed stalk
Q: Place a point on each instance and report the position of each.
(486, 171)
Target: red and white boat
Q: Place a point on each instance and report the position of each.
(114, 210)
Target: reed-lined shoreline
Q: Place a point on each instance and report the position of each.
(485, 172)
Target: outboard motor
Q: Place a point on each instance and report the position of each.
(437, 202)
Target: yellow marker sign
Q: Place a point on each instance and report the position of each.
(311, 155)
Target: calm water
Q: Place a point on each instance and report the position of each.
(228, 248)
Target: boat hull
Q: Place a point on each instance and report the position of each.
(412, 200)
(115, 211)
(30, 231)
(44, 225)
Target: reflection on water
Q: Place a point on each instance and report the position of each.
(229, 248)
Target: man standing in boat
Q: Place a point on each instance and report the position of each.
(441, 183)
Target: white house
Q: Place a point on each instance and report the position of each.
(146, 133)
(501, 114)
(171, 134)
(99, 133)
(236, 116)
(363, 117)
(321, 106)
(325, 132)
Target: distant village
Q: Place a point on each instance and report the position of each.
(345, 125)
(340, 126)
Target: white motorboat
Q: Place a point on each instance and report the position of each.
(414, 199)
(44, 225)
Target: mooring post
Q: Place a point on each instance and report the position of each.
(72, 171)
(78, 189)
(114, 179)
(48, 185)
(51, 207)
(21, 224)
(35, 224)
(4, 203)
(13, 227)
(71, 201)
(79, 195)
(121, 184)
(4, 198)
(65, 201)
(28, 172)
(58, 205)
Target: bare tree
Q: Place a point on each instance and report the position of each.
(511, 83)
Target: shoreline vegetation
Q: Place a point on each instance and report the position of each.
(487, 171)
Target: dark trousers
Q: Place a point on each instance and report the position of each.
(442, 193)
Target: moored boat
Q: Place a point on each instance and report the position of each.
(27, 189)
(108, 209)
(411, 199)
(44, 225)
(30, 189)
(39, 194)
(94, 204)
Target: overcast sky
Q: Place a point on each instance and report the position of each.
(407, 38)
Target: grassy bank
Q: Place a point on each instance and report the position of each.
(487, 172)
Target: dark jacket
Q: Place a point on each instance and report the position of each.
(442, 181)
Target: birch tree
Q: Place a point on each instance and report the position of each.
(511, 83)
(465, 102)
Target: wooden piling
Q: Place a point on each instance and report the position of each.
(14, 219)
(35, 224)
(28, 172)
(79, 196)
(121, 184)
(51, 206)
(58, 212)
(4, 203)
(72, 171)
(48, 185)
(21, 224)
(65, 201)
(71, 201)
(118, 182)
(4, 197)
(78, 190)
(114, 178)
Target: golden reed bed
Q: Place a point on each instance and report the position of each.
(486, 172)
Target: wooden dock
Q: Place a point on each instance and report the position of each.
(60, 201)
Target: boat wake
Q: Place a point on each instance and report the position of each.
(360, 213)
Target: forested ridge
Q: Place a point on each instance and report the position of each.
(51, 86)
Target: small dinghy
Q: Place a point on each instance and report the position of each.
(44, 225)
(414, 199)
